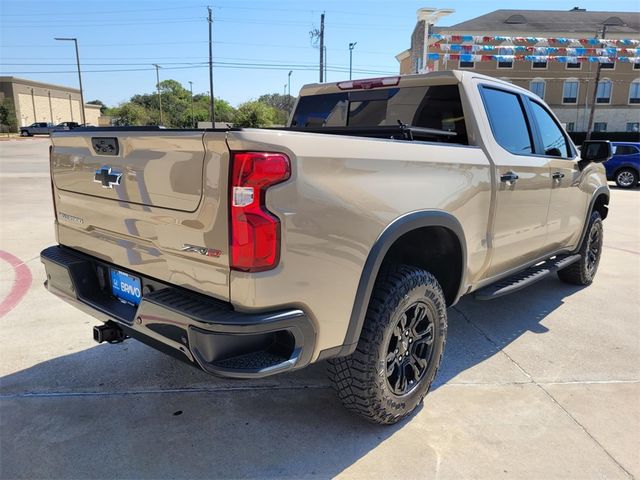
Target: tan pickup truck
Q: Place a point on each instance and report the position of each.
(343, 236)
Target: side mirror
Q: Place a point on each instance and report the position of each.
(595, 151)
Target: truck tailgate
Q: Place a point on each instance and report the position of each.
(151, 202)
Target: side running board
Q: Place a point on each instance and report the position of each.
(525, 277)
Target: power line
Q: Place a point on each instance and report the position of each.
(258, 66)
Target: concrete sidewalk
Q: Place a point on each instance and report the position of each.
(544, 383)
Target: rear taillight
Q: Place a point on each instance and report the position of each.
(254, 231)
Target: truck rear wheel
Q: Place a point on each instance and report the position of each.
(583, 271)
(399, 349)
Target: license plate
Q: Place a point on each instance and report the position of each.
(126, 287)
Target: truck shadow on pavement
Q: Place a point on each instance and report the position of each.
(147, 415)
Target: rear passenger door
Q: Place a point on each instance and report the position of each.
(568, 203)
(522, 178)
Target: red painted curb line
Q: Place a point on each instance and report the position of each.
(21, 282)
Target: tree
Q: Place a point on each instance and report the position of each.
(281, 103)
(8, 121)
(254, 114)
(130, 114)
(103, 107)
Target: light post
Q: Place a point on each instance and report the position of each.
(351, 47)
(430, 17)
(158, 85)
(289, 82)
(193, 118)
(75, 41)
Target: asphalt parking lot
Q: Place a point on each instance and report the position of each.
(544, 383)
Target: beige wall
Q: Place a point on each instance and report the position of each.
(37, 102)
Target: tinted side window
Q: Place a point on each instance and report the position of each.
(553, 140)
(625, 150)
(508, 121)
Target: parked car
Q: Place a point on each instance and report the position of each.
(624, 166)
(67, 126)
(344, 236)
(37, 128)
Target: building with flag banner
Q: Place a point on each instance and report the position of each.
(555, 54)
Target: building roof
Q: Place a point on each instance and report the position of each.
(33, 83)
(540, 21)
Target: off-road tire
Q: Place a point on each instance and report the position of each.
(360, 379)
(626, 178)
(584, 270)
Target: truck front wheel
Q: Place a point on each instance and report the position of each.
(399, 349)
(583, 271)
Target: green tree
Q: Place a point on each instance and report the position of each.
(8, 121)
(103, 107)
(254, 114)
(130, 114)
(283, 104)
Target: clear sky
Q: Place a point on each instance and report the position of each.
(256, 42)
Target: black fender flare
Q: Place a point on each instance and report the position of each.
(396, 229)
(601, 190)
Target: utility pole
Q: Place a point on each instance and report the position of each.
(193, 118)
(75, 41)
(158, 85)
(289, 82)
(212, 116)
(351, 47)
(594, 98)
(326, 78)
(321, 47)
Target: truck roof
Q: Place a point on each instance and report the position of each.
(444, 77)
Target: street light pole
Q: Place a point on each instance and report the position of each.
(193, 118)
(158, 85)
(351, 47)
(289, 82)
(75, 41)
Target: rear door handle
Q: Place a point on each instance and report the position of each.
(557, 175)
(509, 177)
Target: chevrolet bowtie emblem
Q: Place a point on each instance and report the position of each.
(107, 177)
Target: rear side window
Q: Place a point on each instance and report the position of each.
(438, 107)
(554, 142)
(508, 121)
(625, 150)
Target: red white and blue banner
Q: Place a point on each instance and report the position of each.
(531, 41)
(470, 57)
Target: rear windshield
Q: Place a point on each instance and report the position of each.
(438, 107)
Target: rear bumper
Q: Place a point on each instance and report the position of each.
(197, 329)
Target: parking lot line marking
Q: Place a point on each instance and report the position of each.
(21, 282)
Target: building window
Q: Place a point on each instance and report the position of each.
(634, 91)
(467, 64)
(571, 126)
(607, 66)
(505, 64)
(537, 86)
(574, 65)
(603, 93)
(633, 127)
(539, 65)
(636, 66)
(570, 91)
(600, 127)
